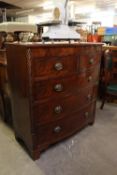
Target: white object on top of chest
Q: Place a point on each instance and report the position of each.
(61, 30)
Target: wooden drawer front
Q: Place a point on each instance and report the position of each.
(64, 127)
(92, 50)
(55, 66)
(64, 86)
(89, 77)
(61, 107)
(54, 88)
(50, 51)
(89, 58)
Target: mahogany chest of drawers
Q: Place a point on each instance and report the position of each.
(54, 89)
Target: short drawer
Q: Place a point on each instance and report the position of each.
(64, 86)
(89, 77)
(54, 66)
(61, 107)
(60, 129)
(89, 58)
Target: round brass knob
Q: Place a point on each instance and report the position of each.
(57, 129)
(89, 78)
(97, 82)
(58, 109)
(58, 87)
(89, 96)
(98, 48)
(91, 61)
(86, 114)
(58, 66)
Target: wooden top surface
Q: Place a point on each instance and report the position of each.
(54, 44)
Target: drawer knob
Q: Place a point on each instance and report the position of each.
(89, 96)
(97, 82)
(98, 49)
(57, 129)
(90, 78)
(91, 61)
(58, 109)
(58, 87)
(86, 114)
(58, 66)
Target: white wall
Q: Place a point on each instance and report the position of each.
(115, 20)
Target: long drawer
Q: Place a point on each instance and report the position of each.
(54, 66)
(63, 86)
(55, 131)
(59, 51)
(61, 107)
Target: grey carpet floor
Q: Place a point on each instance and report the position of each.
(93, 151)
